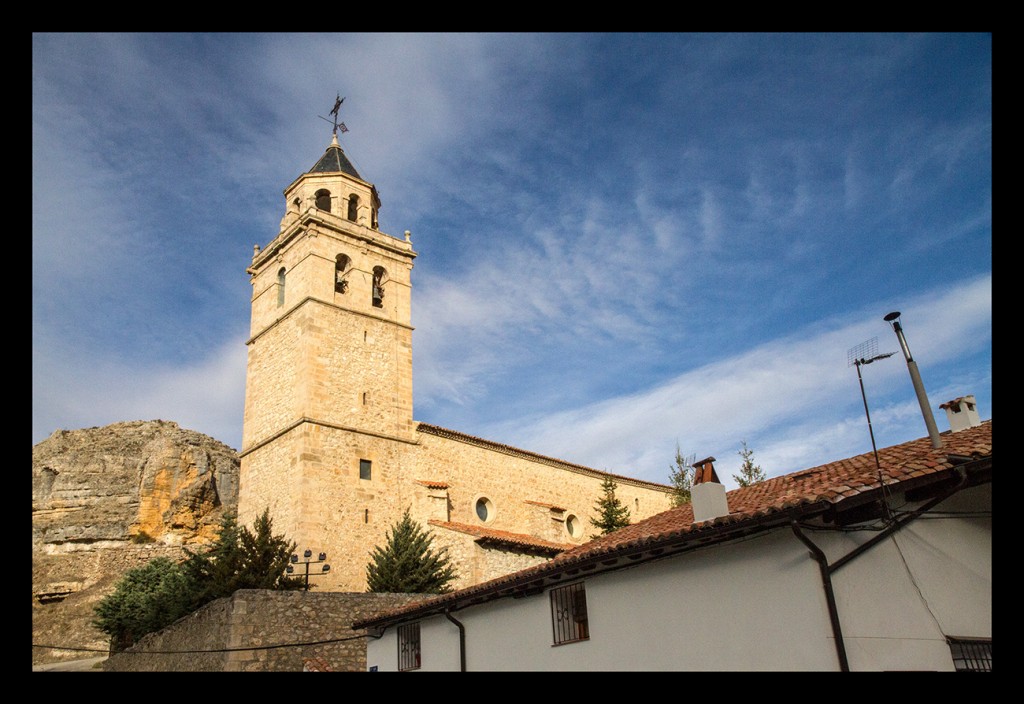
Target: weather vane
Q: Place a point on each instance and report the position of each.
(334, 111)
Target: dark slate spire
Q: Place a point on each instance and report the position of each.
(334, 160)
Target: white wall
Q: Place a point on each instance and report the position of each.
(899, 601)
(757, 604)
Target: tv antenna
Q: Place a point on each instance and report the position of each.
(858, 356)
(334, 111)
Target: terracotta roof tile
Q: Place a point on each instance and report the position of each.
(432, 485)
(811, 489)
(502, 536)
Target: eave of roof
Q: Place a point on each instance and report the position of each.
(760, 507)
(518, 541)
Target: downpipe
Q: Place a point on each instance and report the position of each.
(462, 639)
(830, 598)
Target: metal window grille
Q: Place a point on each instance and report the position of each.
(409, 647)
(971, 655)
(569, 614)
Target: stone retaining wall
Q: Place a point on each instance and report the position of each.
(263, 631)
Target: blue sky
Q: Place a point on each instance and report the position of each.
(626, 241)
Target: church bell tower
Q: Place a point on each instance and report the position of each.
(328, 402)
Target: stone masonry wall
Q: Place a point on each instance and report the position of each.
(255, 629)
(67, 587)
(520, 486)
(346, 516)
(329, 383)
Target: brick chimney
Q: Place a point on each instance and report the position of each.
(707, 495)
(962, 413)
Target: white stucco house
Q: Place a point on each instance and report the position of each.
(825, 569)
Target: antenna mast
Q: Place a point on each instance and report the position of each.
(866, 353)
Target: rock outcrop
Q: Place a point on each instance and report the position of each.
(106, 500)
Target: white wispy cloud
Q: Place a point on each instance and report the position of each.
(764, 395)
(615, 231)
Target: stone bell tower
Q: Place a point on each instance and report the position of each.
(328, 402)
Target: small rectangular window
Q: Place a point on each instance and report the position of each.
(971, 654)
(364, 469)
(569, 614)
(409, 647)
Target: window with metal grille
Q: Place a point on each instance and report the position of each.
(569, 614)
(971, 654)
(409, 647)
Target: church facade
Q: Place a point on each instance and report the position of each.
(329, 442)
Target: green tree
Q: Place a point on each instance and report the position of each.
(242, 559)
(146, 599)
(611, 514)
(407, 564)
(750, 473)
(681, 478)
(157, 594)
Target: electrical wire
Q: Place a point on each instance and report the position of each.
(214, 650)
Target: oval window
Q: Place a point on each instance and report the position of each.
(572, 526)
(484, 509)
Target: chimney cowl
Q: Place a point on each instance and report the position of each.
(707, 494)
(704, 471)
(962, 413)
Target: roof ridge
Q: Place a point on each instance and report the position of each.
(438, 431)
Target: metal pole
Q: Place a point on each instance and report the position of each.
(864, 396)
(915, 377)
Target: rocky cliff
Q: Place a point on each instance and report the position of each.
(105, 500)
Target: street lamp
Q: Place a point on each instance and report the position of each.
(307, 561)
(915, 376)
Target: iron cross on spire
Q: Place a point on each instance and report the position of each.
(334, 111)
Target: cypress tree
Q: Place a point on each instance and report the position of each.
(611, 514)
(407, 563)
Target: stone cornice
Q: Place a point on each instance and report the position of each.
(313, 299)
(313, 421)
(331, 222)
